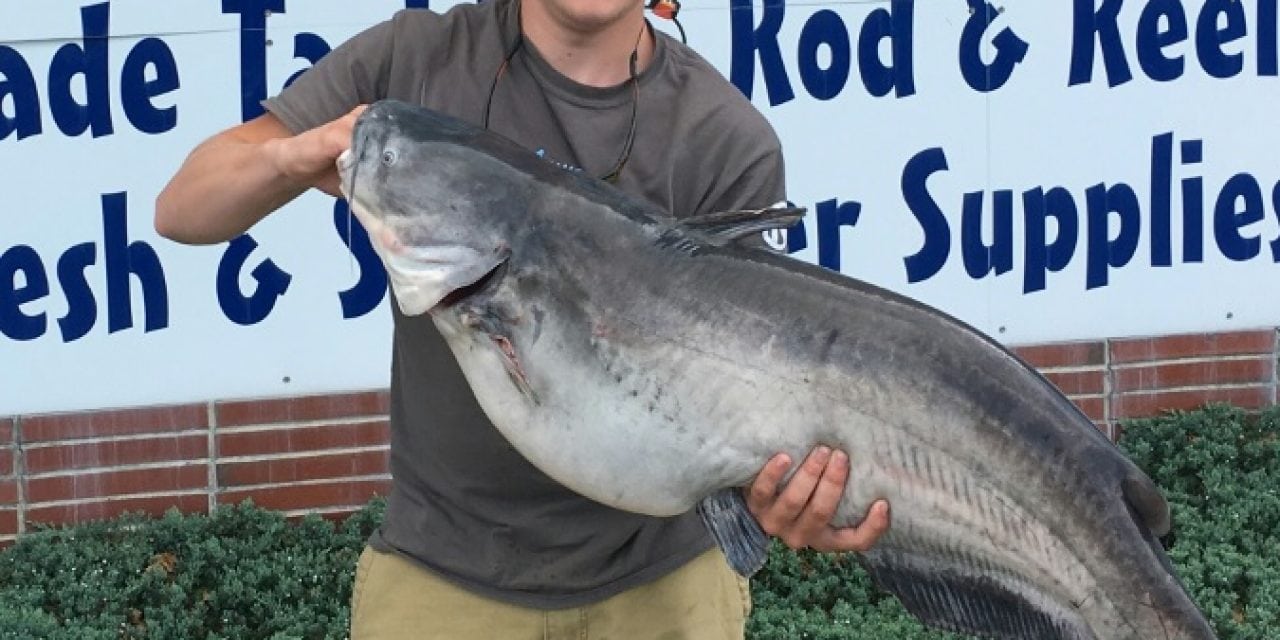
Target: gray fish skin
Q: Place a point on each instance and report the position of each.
(646, 366)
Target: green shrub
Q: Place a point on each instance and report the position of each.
(241, 572)
(1220, 469)
(244, 572)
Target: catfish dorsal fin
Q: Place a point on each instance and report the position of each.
(723, 227)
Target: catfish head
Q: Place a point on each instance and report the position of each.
(446, 205)
(440, 209)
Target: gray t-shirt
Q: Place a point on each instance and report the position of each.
(464, 503)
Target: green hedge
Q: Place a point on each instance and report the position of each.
(242, 572)
(245, 572)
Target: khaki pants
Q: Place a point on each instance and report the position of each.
(394, 599)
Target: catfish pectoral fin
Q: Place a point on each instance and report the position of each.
(744, 543)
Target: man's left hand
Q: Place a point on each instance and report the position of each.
(799, 513)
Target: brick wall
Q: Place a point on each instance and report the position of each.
(1115, 379)
(319, 454)
(328, 454)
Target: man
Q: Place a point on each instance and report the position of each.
(477, 543)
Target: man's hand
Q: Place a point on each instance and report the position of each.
(235, 178)
(800, 512)
(309, 157)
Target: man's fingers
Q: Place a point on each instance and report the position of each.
(329, 183)
(782, 515)
(825, 499)
(765, 487)
(859, 538)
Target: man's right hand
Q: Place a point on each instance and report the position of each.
(308, 158)
(237, 177)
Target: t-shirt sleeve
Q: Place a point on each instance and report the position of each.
(354, 73)
(758, 182)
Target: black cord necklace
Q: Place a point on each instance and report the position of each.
(612, 175)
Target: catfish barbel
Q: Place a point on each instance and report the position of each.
(655, 364)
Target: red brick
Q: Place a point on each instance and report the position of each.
(309, 496)
(1138, 405)
(1192, 374)
(119, 422)
(341, 465)
(112, 453)
(8, 492)
(1093, 407)
(104, 509)
(1067, 354)
(1193, 345)
(1076, 383)
(8, 522)
(326, 407)
(6, 430)
(334, 436)
(115, 483)
(6, 462)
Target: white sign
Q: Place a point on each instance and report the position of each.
(1049, 171)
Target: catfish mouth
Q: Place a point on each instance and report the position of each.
(484, 287)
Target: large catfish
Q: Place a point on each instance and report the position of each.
(655, 365)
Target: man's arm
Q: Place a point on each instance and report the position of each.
(234, 179)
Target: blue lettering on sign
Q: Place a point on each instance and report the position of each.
(124, 261)
(1275, 208)
(832, 215)
(1152, 41)
(1161, 200)
(253, 51)
(309, 47)
(14, 322)
(747, 40)
(1102, 252)
(1193, 201)
(895, 24)
(272, 283)
(1210, 38)
(980, 258)
(1101, 24)
(823, 28)
(85, 63)
(83, 311)
(17, 83)
(1267, 39)
(1162, 24)
(1110, 225)
(88, 59)
(1010, 50)
(136, 91)
(1043, 256)
(1241, 190)
(367, 293)
(933, 222)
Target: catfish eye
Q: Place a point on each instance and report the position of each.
(389, 157)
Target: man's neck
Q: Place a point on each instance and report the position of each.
(594, 55)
